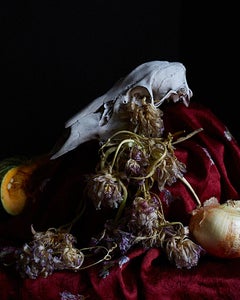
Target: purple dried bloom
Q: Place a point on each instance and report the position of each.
(168, 171)
(144, 218)
(138, 155)
(132, 168)
(105, 190)
(47, 252)
(183, 252)
(125, 241)
(69, 296)
(116, 234)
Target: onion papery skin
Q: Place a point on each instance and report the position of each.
(216, 227)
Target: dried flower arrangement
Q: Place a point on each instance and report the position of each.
(132, 163)
(137, 162)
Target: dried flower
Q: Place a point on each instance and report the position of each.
(132, 167)
(180, 250)
(69, 296)
(105, 190)
(168, 171)
(47, 252)
(116, 233)
(146, 118)
(166, 167)
(145, 217)
(183, 252)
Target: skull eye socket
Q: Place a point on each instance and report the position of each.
(138, 93)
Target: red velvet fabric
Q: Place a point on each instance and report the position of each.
(212, 158)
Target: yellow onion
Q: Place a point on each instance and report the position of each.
(216, 227)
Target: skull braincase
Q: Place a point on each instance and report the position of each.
(156, 80)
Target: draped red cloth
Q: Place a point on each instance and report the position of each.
(212, 159)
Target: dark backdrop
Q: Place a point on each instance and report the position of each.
(57, 56)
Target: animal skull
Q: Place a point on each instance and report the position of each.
(158, 81)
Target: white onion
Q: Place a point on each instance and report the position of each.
(216, 227)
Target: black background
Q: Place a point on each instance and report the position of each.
(58, 56)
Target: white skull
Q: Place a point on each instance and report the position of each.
(156, 80)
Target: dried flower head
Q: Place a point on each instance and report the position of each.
(146, 118)
(48, 252)
(69, 296)
(169, 171)
(182, 251)
(145, 216)
(105, 190)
